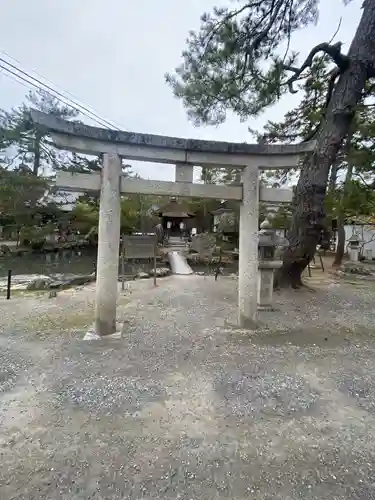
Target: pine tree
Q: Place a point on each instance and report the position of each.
(234, 63)
(27, 143)
(352, 173)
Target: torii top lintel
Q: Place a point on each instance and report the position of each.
(84, 138)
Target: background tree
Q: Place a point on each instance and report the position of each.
(20, 192)
(29, 160)
(234, 62)
(354, 160)
(26, 142)
(300, 124)
(29, 164)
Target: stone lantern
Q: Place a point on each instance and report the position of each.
(354, 244)
(269, 255)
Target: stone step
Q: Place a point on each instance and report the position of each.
(175, 242)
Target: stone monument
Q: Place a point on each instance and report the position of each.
(269, 261)
(354, 247)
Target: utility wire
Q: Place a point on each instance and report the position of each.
(8, 75)
(20, 79)
(74, 99)
(39, 85)
(59, 96)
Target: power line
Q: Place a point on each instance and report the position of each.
(74, 99)
(20, 79)
(72, 104)
(39, 85)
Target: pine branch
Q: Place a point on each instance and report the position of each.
(331, 85)
(333, 51)
(358, 174)
(274, 11)
(221, 23)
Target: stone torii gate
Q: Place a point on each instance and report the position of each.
(113, 146)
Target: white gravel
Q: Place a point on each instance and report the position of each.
(186, 407)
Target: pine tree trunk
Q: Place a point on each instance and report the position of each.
(308, 217)
(340, 250)
(37, 153)
(333, 177)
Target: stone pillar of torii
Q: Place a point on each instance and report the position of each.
(114, 146)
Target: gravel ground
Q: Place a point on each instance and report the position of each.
(185, 406)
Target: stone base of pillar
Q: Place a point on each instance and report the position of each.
(242, 324)
(92, 335)
(246, 323)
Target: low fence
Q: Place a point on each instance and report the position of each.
(138, 247)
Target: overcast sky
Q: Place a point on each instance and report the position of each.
(112, 56)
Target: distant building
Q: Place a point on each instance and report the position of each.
(66, 200)
(364, 227)
(173, 214)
